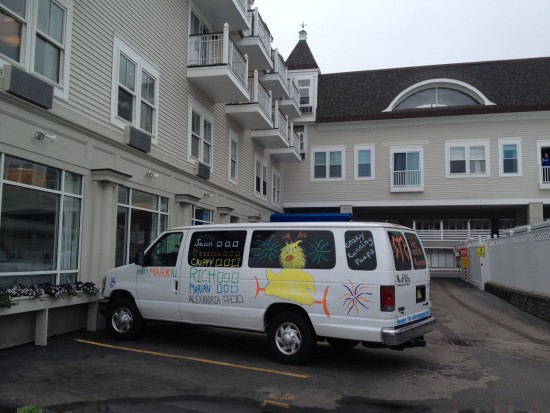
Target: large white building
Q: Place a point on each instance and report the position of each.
(454, 151)
(117, 122)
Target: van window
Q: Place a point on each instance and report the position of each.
(418, 258)
(216, 248)
(292, 249)
(164, 253)
(360, 251)
(400, 251)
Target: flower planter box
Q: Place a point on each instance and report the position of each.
(41, 307)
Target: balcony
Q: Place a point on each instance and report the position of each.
(291, 106)
(290, 154)
(544, 177)
(275, 137)
(256, 113)
(276, 78)
(217, 67)
(407, 181)
(256, 42)
(232, 12)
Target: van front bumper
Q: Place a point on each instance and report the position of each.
(396, 336)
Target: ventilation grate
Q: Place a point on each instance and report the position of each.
(464, 343)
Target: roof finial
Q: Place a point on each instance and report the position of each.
(303, 33)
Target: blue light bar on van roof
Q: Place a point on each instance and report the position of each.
(320, 217)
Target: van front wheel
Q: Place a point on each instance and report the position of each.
(291, 338)
(123, 319)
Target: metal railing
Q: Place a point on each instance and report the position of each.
(412, 178)
(211, 49)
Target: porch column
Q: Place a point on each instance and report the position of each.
(105, 217)
(535, 213)
(186, 202)
(225, 214)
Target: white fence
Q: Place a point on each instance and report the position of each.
(518, 260)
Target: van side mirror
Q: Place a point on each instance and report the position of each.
(140, 259)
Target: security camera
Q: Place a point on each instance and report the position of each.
(41, 135)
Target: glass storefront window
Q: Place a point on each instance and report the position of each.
(141, 217)
(40, 223)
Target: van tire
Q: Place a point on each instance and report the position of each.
(291, 338)
(123, 319)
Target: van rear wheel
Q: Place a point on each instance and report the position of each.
(123, 319)
(291, 338)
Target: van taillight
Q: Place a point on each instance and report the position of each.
(387, 298)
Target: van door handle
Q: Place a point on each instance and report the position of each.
(175, 286)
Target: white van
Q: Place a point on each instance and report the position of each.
(346, 283)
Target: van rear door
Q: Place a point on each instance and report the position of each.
(412, 277)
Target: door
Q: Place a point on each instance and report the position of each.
(158, 288)
(412, 278)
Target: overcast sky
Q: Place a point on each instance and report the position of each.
(350, 35)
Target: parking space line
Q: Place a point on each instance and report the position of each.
(196, 359)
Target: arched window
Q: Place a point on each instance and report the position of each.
(438, 93)
(436, 97)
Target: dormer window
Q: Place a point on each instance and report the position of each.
(436, 93)
(436, 97)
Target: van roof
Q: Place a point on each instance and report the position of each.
(297, 225)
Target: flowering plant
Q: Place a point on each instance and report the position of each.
(37, 291)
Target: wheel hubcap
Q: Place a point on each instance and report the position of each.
(288, 338)
(122, 320)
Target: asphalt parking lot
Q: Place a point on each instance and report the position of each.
(484, 356)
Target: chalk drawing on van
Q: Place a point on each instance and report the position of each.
(355, 298)
(292, 282)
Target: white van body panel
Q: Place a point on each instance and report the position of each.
(234, 275)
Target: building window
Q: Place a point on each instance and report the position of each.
(233, 156)
(135, 90)
(36, 34)
(141, 217)
(406, 164)
(510, 157)
(260, 183)
(202, 216)
(40, 217)
(200, 136)
(543, 149)
(467, 158)
(327, 164)
(364, 162)
(276, 188)
(304, 88)
(436, 97)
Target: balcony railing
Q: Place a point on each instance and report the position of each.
(258, 29)
(410, 178)
(212, 49)
(545, 174)
(259, 95)
(280, 122)
(279, 66)
(451, 234)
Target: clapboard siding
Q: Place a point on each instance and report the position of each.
(432, 137)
